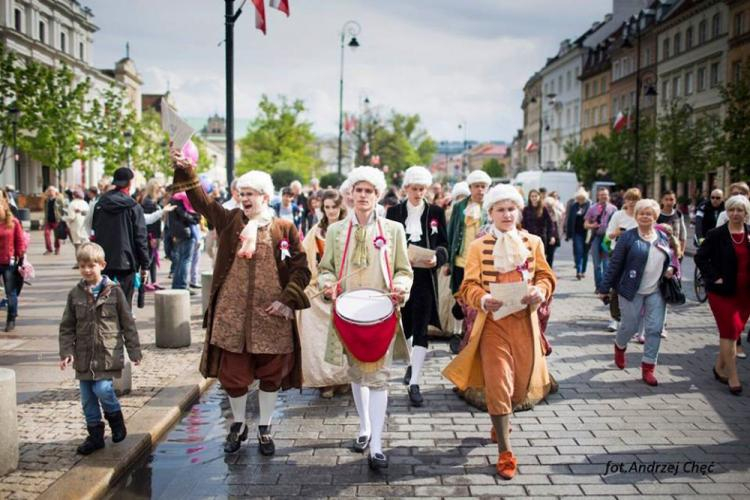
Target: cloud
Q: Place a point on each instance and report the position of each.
(448, 61)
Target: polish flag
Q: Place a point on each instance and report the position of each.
(375, 160)
(621, 122)
(282, 5)
(350, 123)
(260, 15)
(530, 146)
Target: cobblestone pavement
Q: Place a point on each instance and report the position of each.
(600, 416)
(50, 421)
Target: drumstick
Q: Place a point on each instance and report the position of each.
(356, 271)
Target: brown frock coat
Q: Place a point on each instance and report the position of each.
(294, 275)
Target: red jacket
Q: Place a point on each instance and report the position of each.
(12, 243)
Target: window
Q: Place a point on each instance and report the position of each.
(596, 88)
(676, 86)
(688, 83)
(552, 87)
(739, 23)
(702, 32)
(616, 71)
(647, 56)
(632, 99)
(18, 20)
(80, 51)
(622, 103)
(664, 89)
(586, 91)
(689, 38)
(736, 71)
(576, 114)
(569, 80)
(42, 32)
(665, 49)
(716, 25)
(586, 119)
(63, 43)
(625, 66)
(567, 117)
(714, 74)
(604, 85)
(701, 79)
(677, 43)
(603, 113)
(595, 114)
(560, 83)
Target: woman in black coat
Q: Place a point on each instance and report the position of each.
(425, 227)
(537, 220)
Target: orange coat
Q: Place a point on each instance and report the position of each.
(465, 371)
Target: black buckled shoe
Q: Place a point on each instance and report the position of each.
(117, 424)
(377, 461)
(361, 444)
(407, 375)
(234, 438)
(94, 441)
(415, 397)
(10, 325)
(266, 445)
(455, 343)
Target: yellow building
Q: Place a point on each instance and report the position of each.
(595, 84)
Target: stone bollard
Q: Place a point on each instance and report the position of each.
(124, 383)
(8, 423)
(206, 281)
(172, 308)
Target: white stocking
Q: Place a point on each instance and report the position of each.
(362, 403)
(418, 353)
(378, 409)
(239, 407)
(267, 404)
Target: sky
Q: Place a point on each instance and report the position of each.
(450, 61)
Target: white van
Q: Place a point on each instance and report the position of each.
(564, 182)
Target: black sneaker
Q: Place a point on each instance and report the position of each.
(361, 444)
(407, 375)
(234, 438)
(455, 343)
(196, 286)
(377, 461)
(415, 397)
(265, 441)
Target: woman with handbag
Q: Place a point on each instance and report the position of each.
(724, 261)
(641, 259)
(12, 250)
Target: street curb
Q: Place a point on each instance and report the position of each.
(92, 477)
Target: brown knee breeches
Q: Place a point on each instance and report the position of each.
(238, 371)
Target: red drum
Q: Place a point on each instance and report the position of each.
(366, 321)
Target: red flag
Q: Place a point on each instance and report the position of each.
(350, 123)
(620, 122)
(260, 15)
(282, 5)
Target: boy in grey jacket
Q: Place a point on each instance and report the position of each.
(96, 323)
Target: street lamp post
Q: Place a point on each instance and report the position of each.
(464, 157)
(540, 99)
(352, 29)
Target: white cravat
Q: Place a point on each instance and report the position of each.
(473, 210)
(509, 252)
(413, 224)
(249, 234)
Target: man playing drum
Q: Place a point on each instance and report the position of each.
(365, 261)
(259, 279)
(425, 228)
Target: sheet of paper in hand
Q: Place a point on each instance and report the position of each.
(510, 294)
(177, 128)
(419, 256)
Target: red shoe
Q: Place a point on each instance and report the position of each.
(506, 465)
(619, 357)
(647, 372)
(150, 287)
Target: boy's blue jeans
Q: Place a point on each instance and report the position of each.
(94, 392)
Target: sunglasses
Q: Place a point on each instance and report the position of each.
(716, 197)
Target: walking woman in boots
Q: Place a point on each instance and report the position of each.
(504, 355)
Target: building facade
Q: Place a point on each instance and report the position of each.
(739, 38)
(530, 153)
(595, 97)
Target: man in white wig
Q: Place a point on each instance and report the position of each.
(425, 228)
(367, 251)
(260, 274)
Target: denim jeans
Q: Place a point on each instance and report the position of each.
(9, 280)
(600, 259)
(182, 254)
(194, 263)
(580, 252)
(95, 392)
(653, 308)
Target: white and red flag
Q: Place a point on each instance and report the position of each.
(350, 123)
(375, 160)
(621, 121)
(282, 5)
(530, 146)
(260, 15)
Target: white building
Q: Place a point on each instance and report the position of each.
(56, 33)
(561, 89)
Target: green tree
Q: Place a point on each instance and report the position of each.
(205, 162)
(150, 150)
(493, 168)
(282, 177)
(112, 131)
(331, 179)
(734, 146)
(279, 138)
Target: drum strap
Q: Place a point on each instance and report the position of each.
(346, 249)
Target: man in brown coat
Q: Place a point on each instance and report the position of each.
(260, 275)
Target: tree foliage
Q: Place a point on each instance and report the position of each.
(113, 132)
(279, 138)
(150, 153)
(282, 177)
(493, 168)
(734, 146)
(332, 179)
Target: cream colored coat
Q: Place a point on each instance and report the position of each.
(401, 274)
